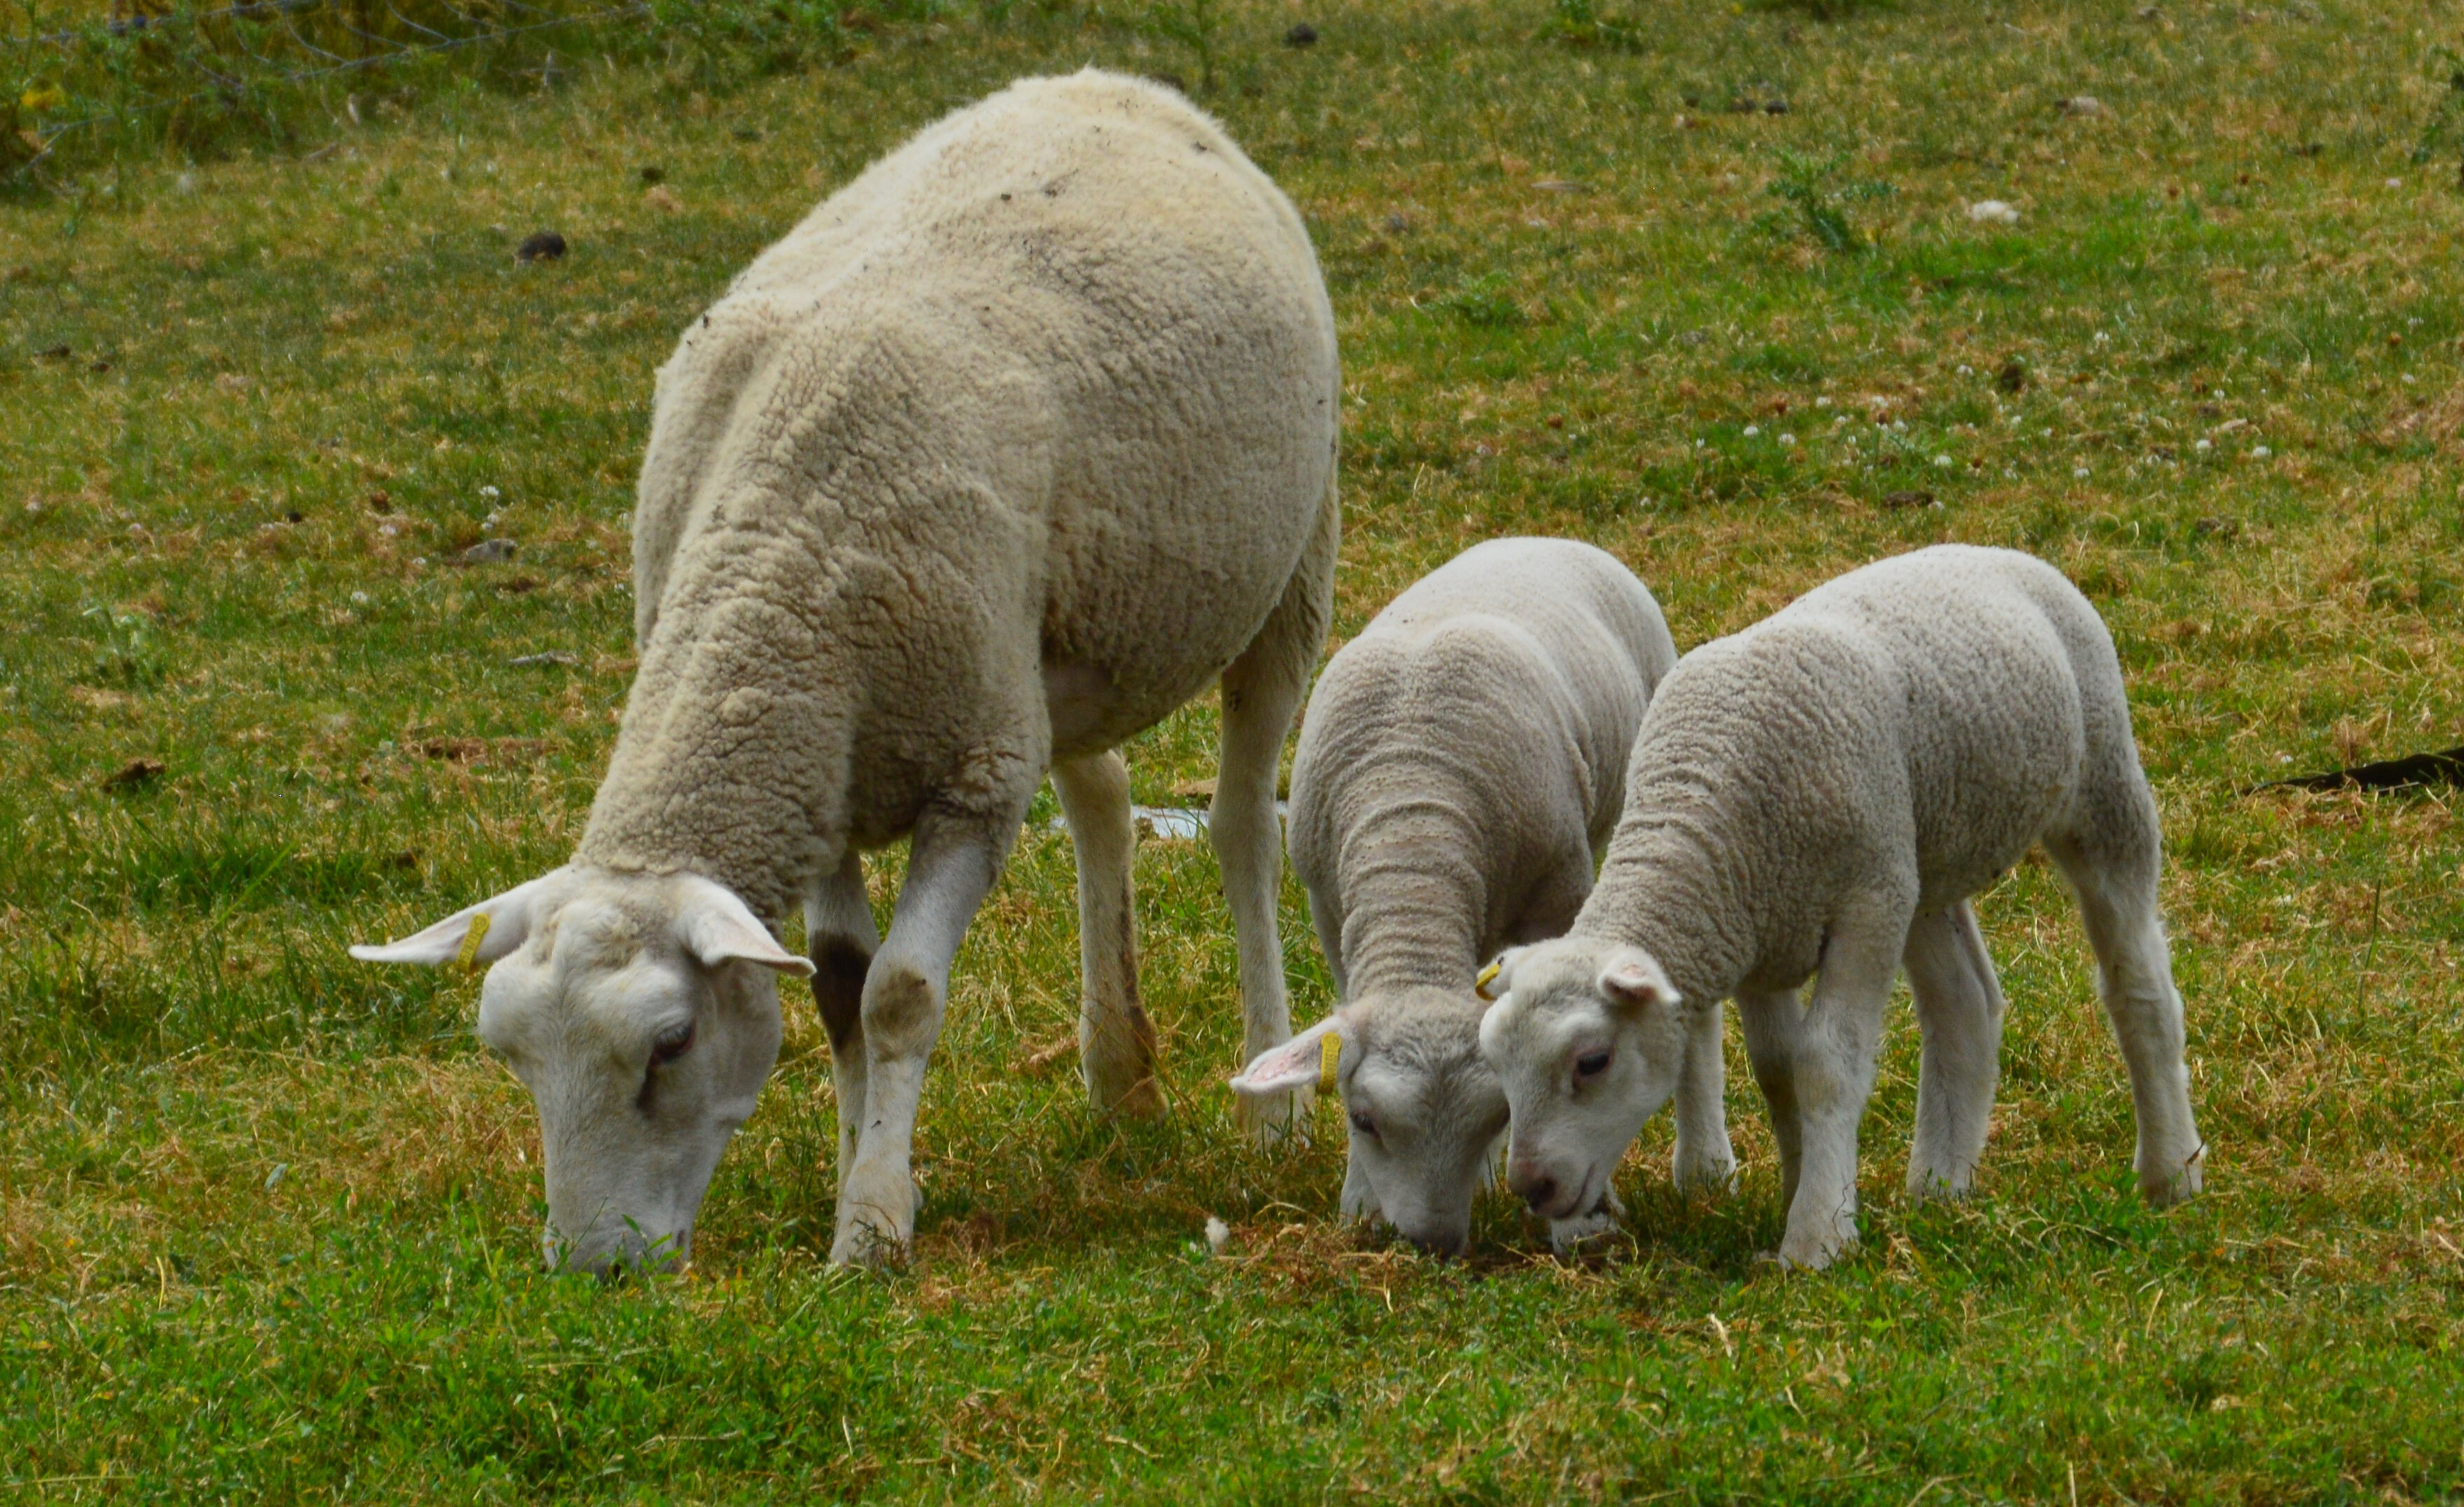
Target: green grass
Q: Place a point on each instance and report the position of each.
(268, 1220)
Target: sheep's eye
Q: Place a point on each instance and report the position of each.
(1591, 1064)
(1364, 1125)
(672, 1043)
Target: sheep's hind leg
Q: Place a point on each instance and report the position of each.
(838, 921)
(2117, 900)
(951, 868)
(1115, 1039)
(1262, 690)
(1959, 1008)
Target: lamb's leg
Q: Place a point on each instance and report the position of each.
(1705, 1159)
(1115, 1040)
(952, 866)
(2115, 884)
(838, 921)
(1772, 1023)
(1262, 690)
(1837, 1048)
(1959, 1008)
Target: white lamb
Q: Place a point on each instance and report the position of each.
(1021, 440)
(1460, 763)
(1817, 797)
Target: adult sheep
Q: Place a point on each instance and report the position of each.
(1462, 761)
(1818, 797)
(1015, 445)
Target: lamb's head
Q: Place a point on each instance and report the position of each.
(1587, 1039)
(1424, 1110)
(642, 1012)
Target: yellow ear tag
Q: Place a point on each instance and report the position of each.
(469, 957)
(1488, 977)
(1330, 1054)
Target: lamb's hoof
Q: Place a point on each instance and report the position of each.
(873, 1234)
(1925, 1187)
(1569, 1237)
(2174, 1182)
(1812, 1254)
(1275, 1121)
(1715, 1176)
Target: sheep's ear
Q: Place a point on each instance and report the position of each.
(1297, 1063)
(718, 927)
(502, 924)
(1498, 977)
(1632, 979)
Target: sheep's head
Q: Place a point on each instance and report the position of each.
(1424, 1110)
(1587, 1040)
(642, 1012)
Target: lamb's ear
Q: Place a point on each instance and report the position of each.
(1632, 979)
(507, 926)
(1498, 977)
(718, 926)
(1297, 1063)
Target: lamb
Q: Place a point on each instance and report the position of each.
(1460, 763)
(1018, 443)
(1818, 797)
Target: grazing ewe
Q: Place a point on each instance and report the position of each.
(1818, 796)
(1021, 440)
(1460, 763)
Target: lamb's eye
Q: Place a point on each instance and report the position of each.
(1591, 1064)
(672, 1043)
(1362, 1124)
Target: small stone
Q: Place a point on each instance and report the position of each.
(2081, 105)
(1993, 212)
(488, 552)
(1398, 222)
(1302, 34)
(540, 246)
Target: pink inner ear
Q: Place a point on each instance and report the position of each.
(1284, 1067)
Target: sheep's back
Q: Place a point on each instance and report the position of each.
(1105, 326)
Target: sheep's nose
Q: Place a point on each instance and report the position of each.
(1440, 1242)
(1532, 1184)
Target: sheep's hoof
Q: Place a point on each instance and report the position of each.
(1812, 1254)
(1118, 1065)
(1712, 1175)
(2172, 1180)
(870, 1232)
(1277, 1120)
(1928, 1185)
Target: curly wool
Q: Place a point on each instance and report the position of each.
(980, 446)
(1910, 729)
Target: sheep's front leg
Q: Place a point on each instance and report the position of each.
(1115, 1039)
(1959, 1008)
(838, 921)
(1837, 1047)
(951, 868)
(1705, 1159)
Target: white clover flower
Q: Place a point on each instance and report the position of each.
(358, 598)
(1943, 461)
(1751, 430)
(1787, 440)
(1821, 402)
(490, 493)
(2078, 473)
(2260, 451)
(2204, 445)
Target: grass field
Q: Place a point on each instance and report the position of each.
(269, 1220)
